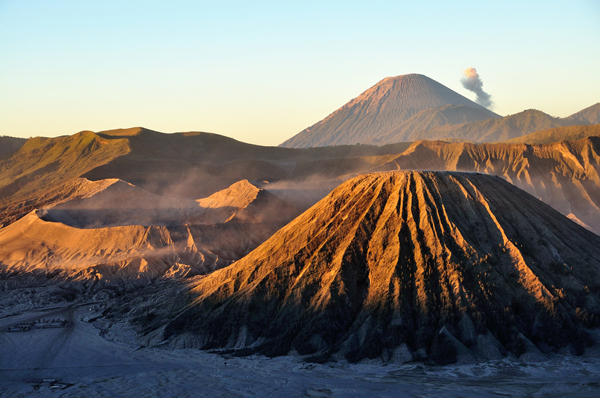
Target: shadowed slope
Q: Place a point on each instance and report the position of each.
(10, 145)
(121, 203)
(433, 264)
(493, 130)
(381, 109)
(589, 115)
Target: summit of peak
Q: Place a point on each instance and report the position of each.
(380, 110)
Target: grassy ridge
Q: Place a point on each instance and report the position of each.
(46, 162)
(558, 134)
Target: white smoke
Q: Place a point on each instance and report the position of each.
(472, 82)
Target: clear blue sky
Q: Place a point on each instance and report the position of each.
(262, 71)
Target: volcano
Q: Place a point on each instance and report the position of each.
(117, 230)
(440, 266)
(381, 114)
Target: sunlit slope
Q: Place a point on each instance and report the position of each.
(43, 162)
(187, 165)
(381, 110)
(438, 265)
(119, 230)
(557, 134)
(565, 175)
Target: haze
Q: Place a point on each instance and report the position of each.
(263, 72)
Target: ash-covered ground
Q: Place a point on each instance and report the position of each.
(71, 339)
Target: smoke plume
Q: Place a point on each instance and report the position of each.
(472, 82)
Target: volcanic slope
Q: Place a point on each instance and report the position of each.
(589, 115)
(9, 145)
(565, 175)
(557, 134)
(122, 231)
(382, 109)
(494, 130)
(46, 171)
(46, 161)
(431, 119)
(407, 265)
(121, 203)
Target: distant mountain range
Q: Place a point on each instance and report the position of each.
(414, 107)
(195, 165)
(590, 115)
(192, 165)
(494, 130)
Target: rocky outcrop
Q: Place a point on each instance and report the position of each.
(565, 175)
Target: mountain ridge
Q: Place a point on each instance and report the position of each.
(497, 130)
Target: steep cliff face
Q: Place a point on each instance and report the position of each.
(417, 265)
(565, 175)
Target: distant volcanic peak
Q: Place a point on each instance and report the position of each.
(411, 91)
(380, 110)
(389, 258)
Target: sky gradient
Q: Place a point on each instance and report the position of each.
(262, 71)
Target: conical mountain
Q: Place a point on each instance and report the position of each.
(439, 265)
(381, 109)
